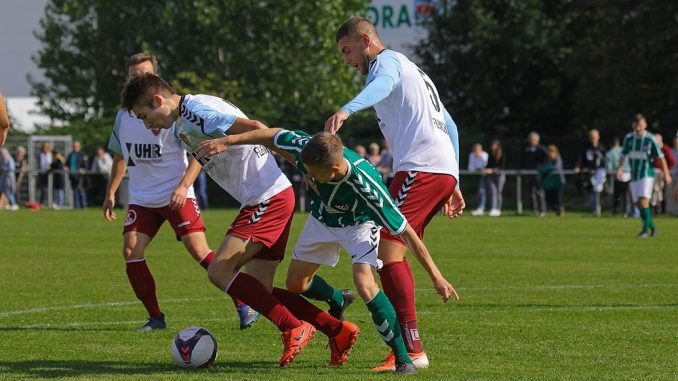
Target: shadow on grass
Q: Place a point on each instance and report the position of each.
(74, 368)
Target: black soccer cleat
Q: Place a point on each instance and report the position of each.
(405, 368)
(338, 313)
(654, 232)
(154, 323)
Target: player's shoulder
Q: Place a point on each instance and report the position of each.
(387, 61)
(208, 104)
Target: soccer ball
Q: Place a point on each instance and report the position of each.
(194, 347)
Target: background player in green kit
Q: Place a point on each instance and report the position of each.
(642, 149)
(349, 205)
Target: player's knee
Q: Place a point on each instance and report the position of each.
(366, 289)
(132, 253)
(297, 285)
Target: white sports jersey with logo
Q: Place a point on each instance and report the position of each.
(249, 173)
(412, 117)
(155, 163)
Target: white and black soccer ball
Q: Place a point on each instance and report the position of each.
(194, 347)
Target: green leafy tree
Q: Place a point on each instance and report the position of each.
(277, 60)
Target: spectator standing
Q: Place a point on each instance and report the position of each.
(360, 150)
(477, 162)
(4, 121)
(534, 156)
(45, 159)
(76, 167)
(21, 168)
(621, 197)
(495, 178)
(7, 179)
(200, 187)
(592, 170)
(385, 166)
(373, 155)
(56, 169)
(552, 180)
(659, 192)
(102, 164)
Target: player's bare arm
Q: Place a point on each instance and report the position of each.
(334, 123)
(667, 174)
(215, 146)
(442, 286)
(181, 191)
(4, 121)
(620, 171)
(117, 173)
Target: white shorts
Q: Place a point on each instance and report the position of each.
(320, 244)
(642, 188)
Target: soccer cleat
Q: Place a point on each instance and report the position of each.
(654, 232)
(642, 235)
(294, 340)
(247, 316)
(154, 323)
(338, 313)
(341, 344)
(478, 212)
(420, 360)
(405, 368)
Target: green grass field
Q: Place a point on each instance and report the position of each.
(575, 298)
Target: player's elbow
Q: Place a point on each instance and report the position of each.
(257, 125)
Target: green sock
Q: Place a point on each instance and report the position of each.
(384, 318)
(648, 218)
(322, 291)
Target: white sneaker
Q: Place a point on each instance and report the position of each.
(478, 212)
(14, 207)
(494, 213)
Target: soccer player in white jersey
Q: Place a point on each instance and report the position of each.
(152, 159)
(258, 236)
(425, 146)
(642, 149)
(349, 204)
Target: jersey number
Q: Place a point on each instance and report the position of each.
(434, 96)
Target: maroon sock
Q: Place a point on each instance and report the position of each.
(205, 262)
(305, 310)
(398, 283)
(248, 289)
(143, 284)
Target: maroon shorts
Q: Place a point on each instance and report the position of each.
(419, 195)
(148, 220)
(268, 222)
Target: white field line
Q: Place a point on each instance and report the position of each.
(427, 290)
(367, 315)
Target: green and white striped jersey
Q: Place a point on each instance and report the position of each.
(641, 152)
(359, 197)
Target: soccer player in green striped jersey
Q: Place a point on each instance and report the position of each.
(642, 150)
(349, 204)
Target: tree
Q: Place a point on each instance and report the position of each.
(558, 67)
(277, 60)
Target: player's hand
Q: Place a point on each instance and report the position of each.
(445, 289)
(212, 147)
(109, 214)
(667, 179)
(310, 184)
(620, 173)
(334, 123)
(454, 207)
(178, 197)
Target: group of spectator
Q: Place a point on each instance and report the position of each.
(82, 173)
(594, 166)
(382, 159)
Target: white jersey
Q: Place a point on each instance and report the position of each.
(249, 173)
(155, 163)
(412, 117)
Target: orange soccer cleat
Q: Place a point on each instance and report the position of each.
(341, 344)
(294, 340)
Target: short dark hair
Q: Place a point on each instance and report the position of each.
(324, 149)
(138, 58)
(140, 89)
(353, 27)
